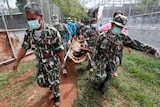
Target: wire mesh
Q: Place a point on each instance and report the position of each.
(14, 16)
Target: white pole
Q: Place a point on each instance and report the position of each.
(130, 8)
(146, 7)
(12, 49)
(49, 11)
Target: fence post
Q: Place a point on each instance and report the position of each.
(146, 7)
(49, 11)
(12, 50)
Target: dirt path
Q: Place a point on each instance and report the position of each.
(67, 87)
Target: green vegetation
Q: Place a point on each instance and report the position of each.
(14, 84)
(148, 6)
(137, 85)
(71, 8)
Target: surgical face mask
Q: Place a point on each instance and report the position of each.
(55, 23)
(69, 22)
(81, 24)
(34, 24)
(87, 27)
(93, 25)
(116, 30)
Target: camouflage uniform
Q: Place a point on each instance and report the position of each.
(63, 30)
(46, 49)
(91, 36)
(108, 49)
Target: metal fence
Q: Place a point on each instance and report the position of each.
(14, 17)
(141, 13)
(143, 26)
(150, 21)
(13, 25)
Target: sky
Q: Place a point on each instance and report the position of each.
(11, 3)
(92, 3)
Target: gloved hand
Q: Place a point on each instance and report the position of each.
(157, 54)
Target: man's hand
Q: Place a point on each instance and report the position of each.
(157, 54)
(62, 66)
(15, 66)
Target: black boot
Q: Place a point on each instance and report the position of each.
(102, 88)
(95, 86)
(57, 101)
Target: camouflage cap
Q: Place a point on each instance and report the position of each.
(69, 19)
(120, 20)
(54, 17)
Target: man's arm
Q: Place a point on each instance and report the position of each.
(61, 56)
(67, 31)
(137, 45)
(59, 49)
(21, 54)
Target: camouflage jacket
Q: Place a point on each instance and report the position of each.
(90, 35)
(108, 48)
(47, 46)
(63, 30)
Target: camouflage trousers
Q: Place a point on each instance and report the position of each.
(105, 71)
(49, 77)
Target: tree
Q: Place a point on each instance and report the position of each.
(71, 8)
(20, 4)
(148, 6)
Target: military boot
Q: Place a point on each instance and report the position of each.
(95, 86)
(102, 88)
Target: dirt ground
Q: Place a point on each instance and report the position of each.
(67, 87)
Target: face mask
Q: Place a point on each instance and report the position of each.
(34, 24)
(69, 22)
(116, 30)
(81, 24)
(93, 25)
(55, 23)
(87, 27)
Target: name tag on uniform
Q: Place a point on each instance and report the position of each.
(105, 41)
(48, 37)
(30, 37)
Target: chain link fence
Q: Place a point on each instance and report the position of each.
(15, 19)
(141, 13)
(13, 24)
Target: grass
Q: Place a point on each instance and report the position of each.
(14, 84)
(138, 84)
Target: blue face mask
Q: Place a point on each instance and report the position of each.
(116, 30)
(93, 25)
(87, 27)
(55, 23)
(34, 24)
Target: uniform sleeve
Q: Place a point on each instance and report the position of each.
(137, 45)
(58, 42)
(99, 40)
(26, 43)
(74, 29)
(67, 30)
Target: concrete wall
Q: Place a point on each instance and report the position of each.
(151, 37)
(16, 37)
